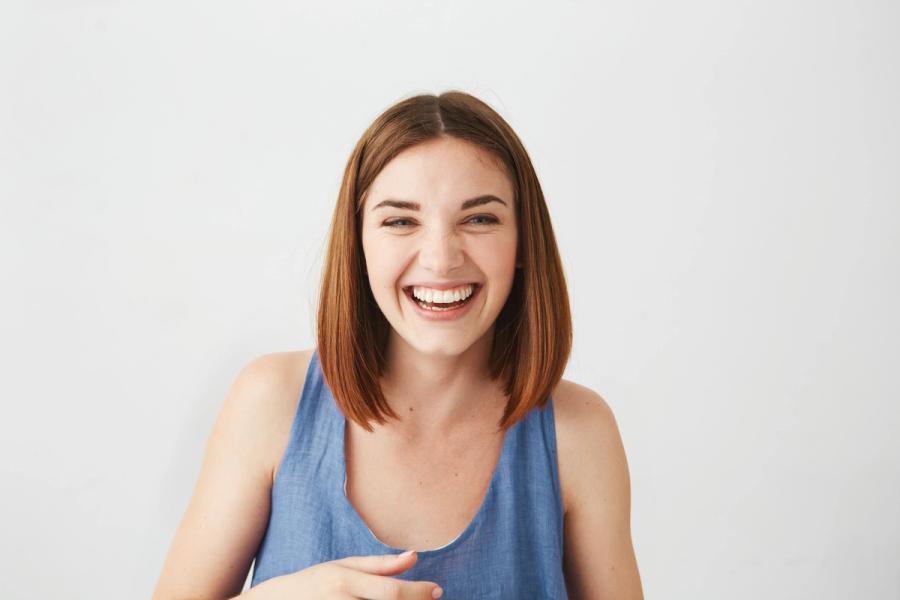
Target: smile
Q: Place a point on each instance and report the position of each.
(437, 310)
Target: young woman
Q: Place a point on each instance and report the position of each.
(431, 415)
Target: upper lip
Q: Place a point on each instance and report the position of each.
(441, 286)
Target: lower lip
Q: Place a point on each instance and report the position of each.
(444, 315)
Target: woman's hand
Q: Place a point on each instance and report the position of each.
(351, 578)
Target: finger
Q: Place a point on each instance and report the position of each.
(380, 564)
(375, 587)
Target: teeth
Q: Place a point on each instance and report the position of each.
(443, 296)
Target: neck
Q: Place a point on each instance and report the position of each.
(441, 394)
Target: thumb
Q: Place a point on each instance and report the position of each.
(381, 564)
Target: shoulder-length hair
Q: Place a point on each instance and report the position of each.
(533, 331)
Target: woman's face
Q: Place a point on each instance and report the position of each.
(440, 216)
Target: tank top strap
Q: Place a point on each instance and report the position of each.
(529, 491)
(316, 428)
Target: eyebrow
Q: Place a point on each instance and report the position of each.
(472, 202)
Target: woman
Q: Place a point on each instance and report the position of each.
(431, 415)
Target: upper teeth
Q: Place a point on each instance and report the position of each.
(443, 296)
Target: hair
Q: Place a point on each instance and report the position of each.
(533, 331)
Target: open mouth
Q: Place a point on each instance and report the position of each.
(442, 306)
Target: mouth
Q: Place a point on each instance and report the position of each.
(442, 306)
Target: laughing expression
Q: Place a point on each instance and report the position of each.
(439, 237)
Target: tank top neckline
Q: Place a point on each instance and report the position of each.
(473, 523)
(353, 514)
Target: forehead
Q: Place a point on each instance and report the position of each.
(442, 170)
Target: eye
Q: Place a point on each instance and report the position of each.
(488, 220)
(396, 223)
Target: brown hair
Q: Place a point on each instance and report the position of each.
(532, 333)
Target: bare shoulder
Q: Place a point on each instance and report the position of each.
(226, 517)
(599, 560)
(276, 369)
(276, 382)
(585, 426)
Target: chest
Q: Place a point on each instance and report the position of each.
(419, 498)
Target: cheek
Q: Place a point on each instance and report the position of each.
(383, 262)
(499, 253)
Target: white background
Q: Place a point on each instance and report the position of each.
(723, 182)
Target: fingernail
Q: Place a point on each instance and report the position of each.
(437, 592)
(405, 554)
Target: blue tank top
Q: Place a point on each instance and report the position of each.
(512, 548)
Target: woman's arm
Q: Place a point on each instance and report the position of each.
(599, 561)
(220, 531)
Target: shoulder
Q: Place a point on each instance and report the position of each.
(585, 427)
(275, 368)
(599, 559)
(265, 395)
(226, 517)
(266, 382)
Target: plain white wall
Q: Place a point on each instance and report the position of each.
(722, 178)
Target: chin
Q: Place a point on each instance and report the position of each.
(442, 350)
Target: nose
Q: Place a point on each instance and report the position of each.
(441, 252)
